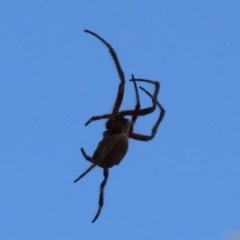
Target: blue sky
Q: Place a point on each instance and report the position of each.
(184, 184)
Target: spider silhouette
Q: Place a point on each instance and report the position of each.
(114, 144)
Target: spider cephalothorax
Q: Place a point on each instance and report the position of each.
(114, 144)
(118, 124)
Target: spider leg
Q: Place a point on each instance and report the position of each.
(86, 156)
(156, 125)
(145, 111)
(95, 118)
(101, 200)
(137, 106)
(120, 94)
(86, 172)
(137, 111)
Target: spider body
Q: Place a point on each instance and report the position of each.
(111, 150)
(114, 144)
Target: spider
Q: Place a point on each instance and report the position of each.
(114, 144)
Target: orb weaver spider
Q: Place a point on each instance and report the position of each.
(114, 144)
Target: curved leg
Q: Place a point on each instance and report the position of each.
(120, 94)
(155, 127)
(86, 156)
(145, 111)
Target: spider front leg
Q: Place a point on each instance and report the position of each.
(137, 106)
(145, 111)
(120, 93)
(155, 127)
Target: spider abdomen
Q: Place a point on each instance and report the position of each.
(111, 150)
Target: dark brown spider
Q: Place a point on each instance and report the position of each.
(114, 145)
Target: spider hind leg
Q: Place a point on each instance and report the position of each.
(86, 172)
(101, 198)
(85, 155)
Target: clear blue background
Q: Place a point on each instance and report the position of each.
(184, 184)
